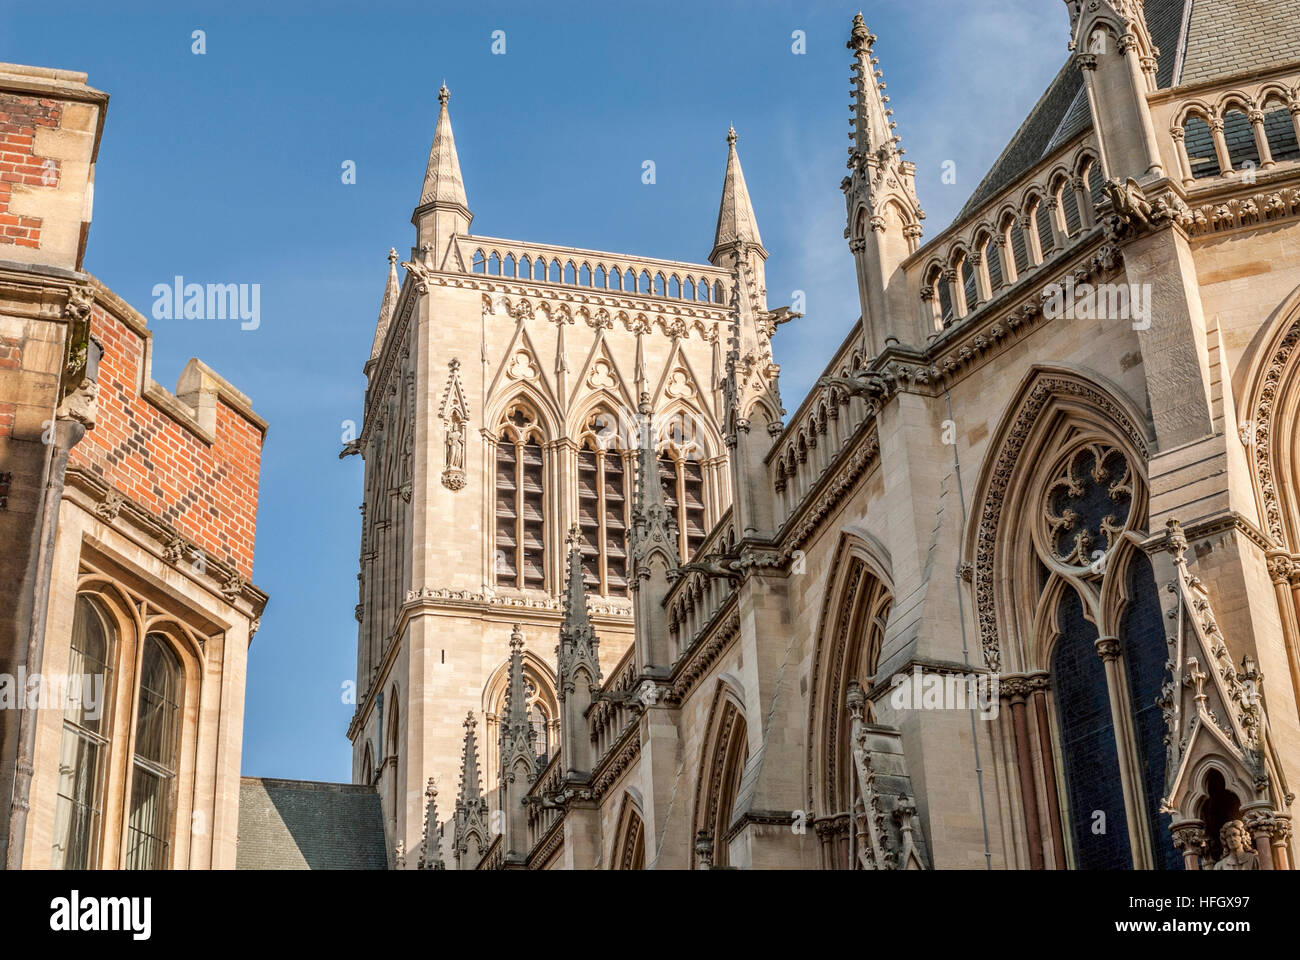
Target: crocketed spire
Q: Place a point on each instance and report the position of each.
(736, 220)
(443, 184)
(391, 290)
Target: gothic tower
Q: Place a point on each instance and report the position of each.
(509, 387)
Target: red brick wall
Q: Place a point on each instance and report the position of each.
(19, 118)
(207, 492)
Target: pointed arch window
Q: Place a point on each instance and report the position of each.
(156, 757)
(1105, 652)
(86, 730)
(603, 504)
(681, 472)
(520, 501)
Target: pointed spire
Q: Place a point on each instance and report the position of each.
(471, 786)
(470, 818)
(873, 130)
(736, 220)
(443, 184)
(516, 711)
(518, 738)
(386, 306)
(430, 847)
(649, 492)
(578, 641)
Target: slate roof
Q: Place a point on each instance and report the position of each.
(1198, 40)
(305, 825)
(1234, 36)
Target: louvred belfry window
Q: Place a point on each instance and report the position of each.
(520, 521)
(682, 475)
(603, 505)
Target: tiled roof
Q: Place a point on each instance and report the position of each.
(1062, 112)
(1031, 141)
(304, 825)
(1234, 36)
(1165, 23)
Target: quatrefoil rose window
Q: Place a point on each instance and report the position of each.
(1088, 504)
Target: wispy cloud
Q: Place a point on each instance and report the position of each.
(962, 78)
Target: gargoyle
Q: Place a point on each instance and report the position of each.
(1130, 203)
(858, 384)
(770, 320)
(351, 448)
(714, 565)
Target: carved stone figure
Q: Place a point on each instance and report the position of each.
(1130, 203)
(456, 445)
(1237, 854)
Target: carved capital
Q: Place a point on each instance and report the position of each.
(1108, 648)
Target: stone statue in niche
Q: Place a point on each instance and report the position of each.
(454, 413)
(1237, 852)
(453, 476)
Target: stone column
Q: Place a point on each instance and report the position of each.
(1016, 689)
(1280, 835)
(1285, 574)
(1009, 272)
(1039, 685)
(956, 292)
(1108, 648)
(1221, 145)
(1082, 199)
(1266, 161)
(1180, 148)
(1190, 841)
(1259, 824)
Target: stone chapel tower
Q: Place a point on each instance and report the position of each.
(501, 410)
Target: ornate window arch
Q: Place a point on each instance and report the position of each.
(543, 712)
(847, 654)
(722, 762)
(604, 501)
(520, 559)
(1070, 613)
(629, 839)
(367, 766)
(392, 749)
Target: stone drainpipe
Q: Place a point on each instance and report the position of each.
(72, 418)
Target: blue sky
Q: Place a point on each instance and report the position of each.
(226, 167)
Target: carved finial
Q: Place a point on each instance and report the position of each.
(392, 256)
(731, 136)
(443, 93)
(517, 637)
